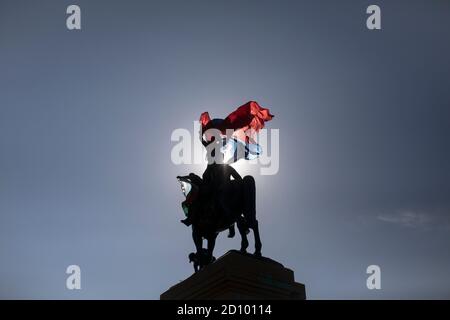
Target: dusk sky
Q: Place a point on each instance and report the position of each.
(86, 118)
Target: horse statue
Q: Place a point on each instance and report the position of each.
(217, 202)
(213, 212)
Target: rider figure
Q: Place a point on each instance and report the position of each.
(215, 177)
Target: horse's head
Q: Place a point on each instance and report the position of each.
(189, 187)
(185, 185)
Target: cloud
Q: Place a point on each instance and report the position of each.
(409, 219)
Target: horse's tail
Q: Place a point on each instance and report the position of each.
(249, 190)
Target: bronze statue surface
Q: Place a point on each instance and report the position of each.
(221, 198)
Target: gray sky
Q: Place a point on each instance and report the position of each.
(86, 118)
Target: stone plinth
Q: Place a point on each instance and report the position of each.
(239, 276)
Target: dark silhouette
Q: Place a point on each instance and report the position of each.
(215, 205)
(215, 178)
(222, 197)
(200, 259)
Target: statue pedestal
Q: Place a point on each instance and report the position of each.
(239, 276)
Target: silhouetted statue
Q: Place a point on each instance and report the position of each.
(221, 198)
(212, 211)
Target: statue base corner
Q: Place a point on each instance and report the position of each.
(239, 276)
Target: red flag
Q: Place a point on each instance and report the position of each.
(245, 122)
(248, 116)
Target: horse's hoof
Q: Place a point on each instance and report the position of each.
(258, 254)
(243, 250)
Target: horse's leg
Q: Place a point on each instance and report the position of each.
(211, 245)
(231, 231)
(242, 227)
(250, 211)
(198, 240)
(258, 244)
